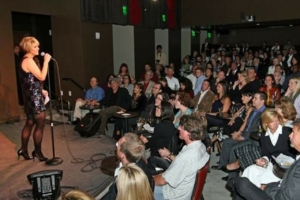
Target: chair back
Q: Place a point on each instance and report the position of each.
(200, 181)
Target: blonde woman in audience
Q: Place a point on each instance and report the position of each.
(133, 184)
(274, 141)
(286, 110)
(76, 195)
(293, 93)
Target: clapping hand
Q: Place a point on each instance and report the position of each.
(144, 139)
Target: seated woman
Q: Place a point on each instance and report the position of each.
(186, 86)
(273, 93)
(124, 70)
(127, 84)
(138, 103)
(182, 102)
(165, 88)
(273, 142)
(221, 104)
(133, 184)
(293, 93)
(163, 131)
(287, 111)
(239, 119)
(238, 87)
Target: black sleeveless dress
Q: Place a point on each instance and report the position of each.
(32, 92)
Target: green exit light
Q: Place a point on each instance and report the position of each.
(124, 10)
(193, 33)
(164, 18)
(208, 35)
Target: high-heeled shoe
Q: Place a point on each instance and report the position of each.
(39, 156)
(24, 154)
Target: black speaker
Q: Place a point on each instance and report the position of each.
(46, 184)
(88, 125)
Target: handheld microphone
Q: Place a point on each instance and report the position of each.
(43, 54)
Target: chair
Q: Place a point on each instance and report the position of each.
(199, 183)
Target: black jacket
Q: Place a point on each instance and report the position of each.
(123, 101)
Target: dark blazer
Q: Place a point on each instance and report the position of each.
(253, 126)
(282, 146)
(123, 101)
(161, 137)
(254, 85)
(206, 102)
(288, 188)
(207, 49)
(232, 77)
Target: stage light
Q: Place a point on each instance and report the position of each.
(45, 184)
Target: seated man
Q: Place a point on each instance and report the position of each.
(92, 96)
(239, 138)
(116, 99)
(287, 188)
(130, 149)
(178, 180)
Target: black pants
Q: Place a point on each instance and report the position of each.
(247, 190)
(155, 161)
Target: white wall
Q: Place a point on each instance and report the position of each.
(185, 42)
(123, 47)
(162, 38)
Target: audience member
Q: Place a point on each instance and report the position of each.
(192, 76)
(204, 99)
(220, 77)
(106, 85)
(254, 83)
(287, 188)
(160, 57)
(200, 78)
(127, 84)
(293, 93)
(232, 73)
(239, 86)
(154, 77)
(165, 86)
(147, 83)
(273, 142)
(173, 82)
(163, 131)
(75, 195)
(174, 185)
(182, 103)
(273, 93)
(286, 110)
(116, 99)
(132, 184)
(130, 149)
(186, 86)
(92, 97)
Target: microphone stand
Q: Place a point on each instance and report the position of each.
(54, 160)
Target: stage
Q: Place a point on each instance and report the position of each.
(81, 165)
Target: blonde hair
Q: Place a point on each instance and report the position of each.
(297, 80)
(133, 184)
(244, 74)
(27, 43)
(268, 116)
(76, 195)
(288, 110)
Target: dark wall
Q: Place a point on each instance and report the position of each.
(143, 49)
(256, 36)
(73, 47)
(215, 12)
(175, 47)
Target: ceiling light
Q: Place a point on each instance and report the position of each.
(291, 24)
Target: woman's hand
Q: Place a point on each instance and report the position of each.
(164, 152)
(47, 57)
(262, 162)
(144, 139)
(45, 93)
(231, 122)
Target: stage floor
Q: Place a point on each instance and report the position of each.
(81, 160)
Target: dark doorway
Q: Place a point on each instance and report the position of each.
(38, 26)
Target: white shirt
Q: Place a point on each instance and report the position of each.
(274, 136)
(193, 79)
(271, 69)
(172, 82)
